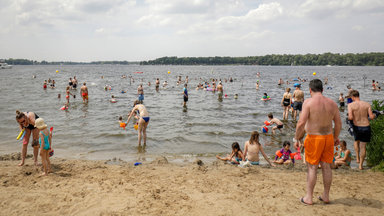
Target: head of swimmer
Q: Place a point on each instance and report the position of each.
(286, 145)
(270, 116)
(136, 102)
(315, 85)
(354, 94)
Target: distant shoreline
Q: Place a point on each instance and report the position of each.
(325, 59)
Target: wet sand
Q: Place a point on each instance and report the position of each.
(79, 187)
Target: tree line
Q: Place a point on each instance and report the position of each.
(350, 59)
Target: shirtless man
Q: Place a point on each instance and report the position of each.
(140, 92)
(143, 120)
(252, 149)
(220, 90)
(298, 96)
(358, 112)
(84, 92)
(157, 84)
(316, 120)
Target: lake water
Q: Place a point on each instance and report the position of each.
(206, 127)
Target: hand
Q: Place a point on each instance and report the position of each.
(337, 142)
(273, 165)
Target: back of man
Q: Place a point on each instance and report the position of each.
(360, 111)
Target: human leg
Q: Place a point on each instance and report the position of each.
(25, 146)
(327, 180)
(43, 161)
(48, 162)
(362, 154)
(145, 133)
(274, 130)
(35, 144)
(357, 150)
(311, 182)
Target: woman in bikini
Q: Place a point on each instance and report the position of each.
(143, 120)
(26, 121)
(286, 103)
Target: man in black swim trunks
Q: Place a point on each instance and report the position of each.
(358, 112)
(298, 96)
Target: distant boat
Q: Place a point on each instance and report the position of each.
(5, 66)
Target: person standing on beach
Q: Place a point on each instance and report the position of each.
(84, 92)
(26, 121)
(140, 92)
(358, 112)
(316, 120)
(185, 93)
(143, 120)
(298, 96)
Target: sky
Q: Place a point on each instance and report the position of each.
(101, 30)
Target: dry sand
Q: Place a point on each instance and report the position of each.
(79, 187)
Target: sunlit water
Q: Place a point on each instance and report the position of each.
(206, 127)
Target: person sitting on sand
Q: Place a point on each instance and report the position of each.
(45, 141)
(252, 147)
(276, 121)
(236, 155)
(285, 155)
(345, 156)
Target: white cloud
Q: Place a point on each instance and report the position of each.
(358, 28)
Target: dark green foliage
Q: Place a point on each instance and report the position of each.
(360, 59)
(375, 148)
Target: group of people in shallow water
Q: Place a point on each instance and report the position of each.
(319, 120)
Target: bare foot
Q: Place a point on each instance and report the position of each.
(43, 174)
(21, 163)
(361, 167)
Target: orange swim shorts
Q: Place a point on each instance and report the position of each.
(85, 95)
(319, 148)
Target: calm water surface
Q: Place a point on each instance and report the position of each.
(206, 127)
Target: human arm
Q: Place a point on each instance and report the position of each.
(245, 149)
(370, 113)
(265, 156)
(304, 115)
(350, 113)
(131, 114)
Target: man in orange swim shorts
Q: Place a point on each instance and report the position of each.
(316, 119)
(84, 92)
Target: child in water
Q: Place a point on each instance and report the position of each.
(345, 156)
(236, 155)
(266, 97)
(45, 141)
(121, 123)
(113, 99)
(67, 93)
(276, 121)
(284, 155)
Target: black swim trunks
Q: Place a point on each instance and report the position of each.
(342, 104)
(185, 99)
(297, 105)
(280, 126)
(362, 134)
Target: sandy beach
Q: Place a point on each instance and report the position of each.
(78, 187)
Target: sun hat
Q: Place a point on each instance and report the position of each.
(39, 123)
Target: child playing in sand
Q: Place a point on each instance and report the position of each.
(45, 140)
(284, 155)
(276, 121)
(345, 156)
(252, 149)
(236, 155)
(341, 100)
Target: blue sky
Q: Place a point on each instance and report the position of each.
(89, 30)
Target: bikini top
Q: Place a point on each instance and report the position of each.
(31, 127)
